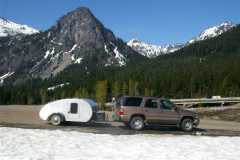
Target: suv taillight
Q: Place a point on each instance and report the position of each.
(121, 112)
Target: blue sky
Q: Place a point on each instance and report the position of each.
(153, 21)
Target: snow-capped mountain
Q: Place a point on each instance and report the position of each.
(9, 28)
(152, 51)
(214, 31)
(77, 38)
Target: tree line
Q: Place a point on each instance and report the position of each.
(203, 69)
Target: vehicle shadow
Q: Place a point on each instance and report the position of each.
(119, 129)
(89, 124)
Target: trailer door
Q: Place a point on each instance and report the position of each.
(74, 112)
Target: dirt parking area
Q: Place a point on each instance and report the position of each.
(27, 117)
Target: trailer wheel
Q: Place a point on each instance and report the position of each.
(56, 119)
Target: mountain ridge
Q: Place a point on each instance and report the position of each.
(10, 28)
(152, 51)
(77, 38)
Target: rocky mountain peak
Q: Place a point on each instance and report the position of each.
(77, 38)
(214, 31)
(81, 27)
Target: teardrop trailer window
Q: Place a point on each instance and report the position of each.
(74, 108)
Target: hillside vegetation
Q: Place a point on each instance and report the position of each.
(206, 68)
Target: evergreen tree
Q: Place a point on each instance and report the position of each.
(101, 92)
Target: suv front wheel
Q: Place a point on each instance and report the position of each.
(136, 123)
(187, 124)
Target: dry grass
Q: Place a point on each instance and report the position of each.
(225, 114)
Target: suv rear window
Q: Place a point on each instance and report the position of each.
(132, 101)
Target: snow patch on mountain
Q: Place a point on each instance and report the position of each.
(9, 28)
(5, 76)
(78, 60)
(121, 59)
(214, 31)
(115, 55)
(49, 53)
(52, 88)
(152, 51)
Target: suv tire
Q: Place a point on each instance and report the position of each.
(136, 123)
(187, 124)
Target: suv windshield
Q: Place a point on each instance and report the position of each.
(166, 104)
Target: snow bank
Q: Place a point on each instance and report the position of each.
(26, 144)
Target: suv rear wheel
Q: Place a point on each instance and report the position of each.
(187, 124)
(136, 123)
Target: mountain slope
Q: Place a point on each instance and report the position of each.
(203, 69)
(214, 31)
(9, 28)
(152, 51)
(77, 38)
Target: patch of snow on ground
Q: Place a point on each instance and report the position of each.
(36, 144)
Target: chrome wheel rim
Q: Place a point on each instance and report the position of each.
(138, 124)
(56, 120)
(188, 125)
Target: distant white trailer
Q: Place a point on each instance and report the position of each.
(74, 110)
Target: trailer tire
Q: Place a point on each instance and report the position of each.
(56, 119)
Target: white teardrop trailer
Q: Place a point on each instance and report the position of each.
(74, 110)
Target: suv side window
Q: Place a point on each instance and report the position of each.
(133, 101)
(166, 104)
(151, 103)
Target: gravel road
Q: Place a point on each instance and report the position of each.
(25, 116)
